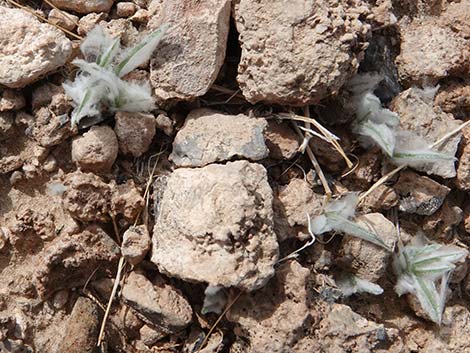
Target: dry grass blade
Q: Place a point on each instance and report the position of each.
(121, 265)
(324, 131)
(450, 134)
(27, 9)
(379, 182)
(227, 308)
(315, 163)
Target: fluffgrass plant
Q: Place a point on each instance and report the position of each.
(99, 82)
(378, 125)
(338, 215)
(423, 269)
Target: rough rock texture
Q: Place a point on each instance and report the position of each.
(343, 330)
(435, 47)
(135, 244)
(442, 223)
(11, 100)
(292, 204)
(189, 59)
(21, 34)
(462, 180)
(68, 261)
(215, 225)
(368, 260)
(86, 197)
(96, 150)
(157, 301)
(208, 136)
(298, 54)
(417, 114)
(81, 332)
(63, 19)
(49, 129)
(126, 200)
(275, 317)
(135, 132)
(420, 194)
(282, 141)
(455, 99)
(382, 198)
(84, 6)
(126, 9)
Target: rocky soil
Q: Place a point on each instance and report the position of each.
(195, 205)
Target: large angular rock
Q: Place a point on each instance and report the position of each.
(157, 302)
(188, 60)
(419, 115)
(208, 137)
(84, 6)
(29, 49)
(433, 48)
(300, 52)
(273, 317)
(215, 225)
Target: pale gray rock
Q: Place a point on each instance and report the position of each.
(29, 49)
(188, 60)
(208, 136)
(215, 225)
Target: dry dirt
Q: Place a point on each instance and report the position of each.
(206, 193)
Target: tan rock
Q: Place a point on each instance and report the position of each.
(68, 261)
(125, 9)
(343, 330)
(282, 141)
(419, 115)
(84, 6)
(50, 129)
(435, 47)
(298, 54)
(22, 34)
(126, 200)
(273, 318)
(11, 100)
(188, 60)
(157, 301)
(86, 197)
(88, 22)
(96, 150)
(208, 136)
(462, 180)
(135, 132)
(420, 194)
(63, 19)
(215, 225)
(454, 99)
(292, 204)
(367, 260)
(82, 328)
(135, 244)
